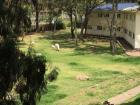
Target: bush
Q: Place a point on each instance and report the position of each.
(53, 74)
(78, 24)
(60, 25)
(69, 24)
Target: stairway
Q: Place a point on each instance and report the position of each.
(125, 44)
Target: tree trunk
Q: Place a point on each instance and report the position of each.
(37, 19)
(55, 22)
(86, 23)
(76, 37)
(113, 27)
(83, 26)
(72, 26)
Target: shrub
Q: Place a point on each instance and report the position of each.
(60, 25)
(53, 74)
(78, 24)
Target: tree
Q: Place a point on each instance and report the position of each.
(54, 9)
(87, 7)
(113, 40)
(20, 72)
(138, 2)
(113, 25)
(69, 8)
(38, 6)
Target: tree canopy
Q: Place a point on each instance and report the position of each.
(21, 74)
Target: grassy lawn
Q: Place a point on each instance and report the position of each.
(109, 75)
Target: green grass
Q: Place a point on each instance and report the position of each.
(109, 75)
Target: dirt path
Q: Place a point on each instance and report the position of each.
(122, 98)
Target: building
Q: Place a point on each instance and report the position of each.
(128, 22)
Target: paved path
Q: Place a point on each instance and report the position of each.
(133, 53)
(122, 98)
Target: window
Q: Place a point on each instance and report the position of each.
(99, 27)
(118, 15)
(126, 16)
(133, 36)
(119, 29)
(107, 15)
(125, 31)
(100, 14)
(134, 17)
(130, 17)
(89, 27)
(130, 33)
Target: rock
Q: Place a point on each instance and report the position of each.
(82, 77)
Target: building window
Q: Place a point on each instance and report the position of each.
(107, 15)
(126, 16)
(130, 17)
(134, 17)
(118, 15)
(130, 33)
(99, 27)
(89, 27)
(119, 29)
(133, 36)
(125, 31)
(100, 14)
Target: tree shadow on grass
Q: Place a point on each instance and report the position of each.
(131, 60)
(73, 64)
(62, 39)
(51, 95)
(61, 36)
(65, 42)
(135, 102)
(95, 49)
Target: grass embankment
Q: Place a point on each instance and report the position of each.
(109, 75)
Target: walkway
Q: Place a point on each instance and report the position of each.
(122, 98)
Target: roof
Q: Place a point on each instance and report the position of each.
(121, 6)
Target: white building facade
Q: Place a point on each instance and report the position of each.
(127, 24)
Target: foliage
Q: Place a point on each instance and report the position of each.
(78, 24)
(60, 25)
(53, 74)
(38, 5)
(32, 81)
(26, 71)
(20, 73)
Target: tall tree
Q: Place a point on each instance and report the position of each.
(20, 72)
(54, 10)
(113, 40)
(38, 6)
(69, 8)
(87, 8)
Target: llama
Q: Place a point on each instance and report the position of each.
(56, 46)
